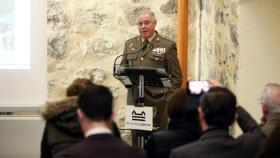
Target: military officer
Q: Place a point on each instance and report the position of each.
(150, 49)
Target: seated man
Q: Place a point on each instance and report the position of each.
(96, 116)
(183, 126)
(217, 112)
(270, 102)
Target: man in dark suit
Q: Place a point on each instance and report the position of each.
(150, 49)
(217, 112)
(95, 117)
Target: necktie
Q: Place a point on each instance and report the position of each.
(144, 44)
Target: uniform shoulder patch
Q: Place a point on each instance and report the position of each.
(132, 39)
(167, 39)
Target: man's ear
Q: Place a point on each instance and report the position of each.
(264, 113)
(264, 110)
(112, 118)
(201, 115)
(235, 117)
(81, 115)
(202, 120)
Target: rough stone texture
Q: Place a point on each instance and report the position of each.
(219, 17)
(137, 1)
(213, 41)
(132, 13)
(56, 47)
(168, 31)
(170, 7)
(193, 39)
(234, 9)
(56, 16)
(96, 75)
(234, 35)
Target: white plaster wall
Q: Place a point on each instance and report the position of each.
(259, 50)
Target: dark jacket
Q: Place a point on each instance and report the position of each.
(179, 133)
(269, 126)
(271, 147)
(62, 128)
(217, 143)
(101, 146)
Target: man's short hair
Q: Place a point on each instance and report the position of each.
(270, 99)
(95, 101)
(219, 107)
(146, 10)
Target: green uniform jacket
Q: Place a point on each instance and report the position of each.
(269, 126)
(160, 53)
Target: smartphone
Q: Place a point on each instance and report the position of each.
(197, 87)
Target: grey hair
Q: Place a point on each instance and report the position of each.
(269, 99)
(146, 10)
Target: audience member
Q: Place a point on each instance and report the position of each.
(183, 126)
(270, 101)
(62, 128)
(96, 116)
(271, 147)
(217, 112)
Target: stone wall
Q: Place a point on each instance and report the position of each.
(213, 40)
(85, 36)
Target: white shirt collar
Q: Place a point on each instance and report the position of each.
(98, 130)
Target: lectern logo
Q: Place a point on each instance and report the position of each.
(138, 116)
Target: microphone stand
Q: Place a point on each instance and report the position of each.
(125, 54)
(140, 100)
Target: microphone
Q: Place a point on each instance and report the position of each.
(144, 46)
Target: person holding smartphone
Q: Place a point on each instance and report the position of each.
(217, 111)
(183, 127)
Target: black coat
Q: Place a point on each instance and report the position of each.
(179, 133)
(101, 146)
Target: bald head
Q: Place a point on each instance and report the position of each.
(270, 98)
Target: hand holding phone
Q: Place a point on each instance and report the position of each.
(214, 83)
(197, 87)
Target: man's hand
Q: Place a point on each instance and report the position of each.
(214, 83)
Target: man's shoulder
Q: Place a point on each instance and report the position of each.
(99, 147)
(185, 150)
(187, 147)
(133, 39)
(70, 152)
(164, 38)
(268, 126)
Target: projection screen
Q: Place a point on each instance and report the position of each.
(23, 54)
